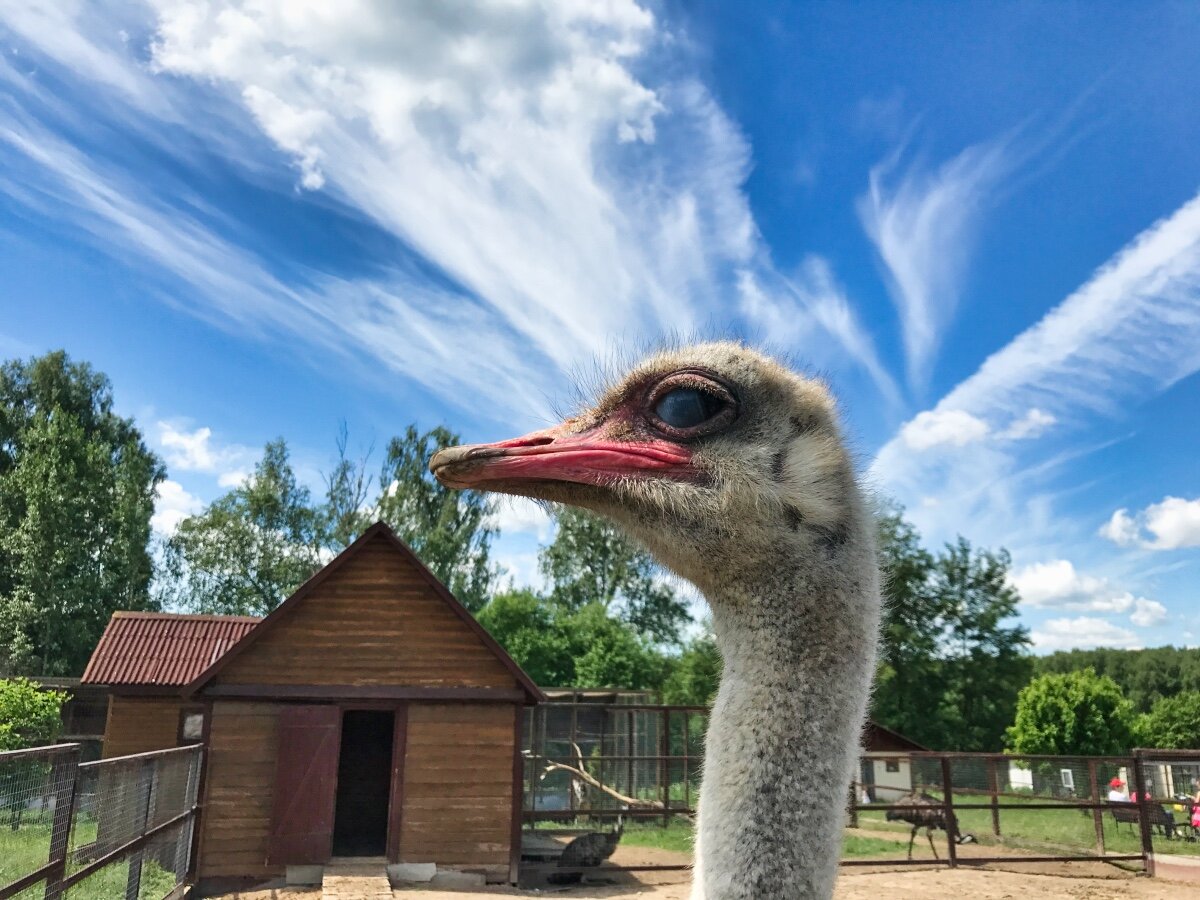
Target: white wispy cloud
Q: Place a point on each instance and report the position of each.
(1059, 585)
(563, 195)
(194, 450)
(1128, 333)
(1082, 632)
(1172, 524)
(925, 223)
(516, 515)
(172, 504)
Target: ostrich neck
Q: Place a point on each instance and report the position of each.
(798, 650)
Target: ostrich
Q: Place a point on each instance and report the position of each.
(731, 470)
(587, 851)
(926, 811)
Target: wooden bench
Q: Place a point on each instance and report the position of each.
(1159, 818)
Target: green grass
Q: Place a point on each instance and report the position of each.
(1052, 830)
(27, 849)
(678, 837)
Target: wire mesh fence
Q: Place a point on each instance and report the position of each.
(588, 763)
(599, 761)
(112, 828)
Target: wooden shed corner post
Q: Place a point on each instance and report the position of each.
(518, 794)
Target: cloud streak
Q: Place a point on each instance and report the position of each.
(1131, 331)
(925, 224)
(557, 195)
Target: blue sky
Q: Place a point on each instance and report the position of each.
(980, 222)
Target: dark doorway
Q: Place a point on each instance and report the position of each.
(360, 818)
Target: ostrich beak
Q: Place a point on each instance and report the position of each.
(556, 454)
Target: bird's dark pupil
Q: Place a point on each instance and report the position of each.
(687, 407)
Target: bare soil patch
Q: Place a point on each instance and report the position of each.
(1002, 881)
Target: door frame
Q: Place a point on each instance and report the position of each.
(399, 712)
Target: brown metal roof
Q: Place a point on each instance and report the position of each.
(161, 649)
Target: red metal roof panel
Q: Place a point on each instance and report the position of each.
(162, 649)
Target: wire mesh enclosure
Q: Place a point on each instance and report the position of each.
(113, 828)
(588, 763)
(593, 760)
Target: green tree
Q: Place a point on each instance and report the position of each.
(448, 529)
(1145, 676)
(1173, 723)
(610, 653)
(532, 630)
(695, 675)
(590, 561)
(1075, 713)
(77, 490)
(909, 672)
(29, 716)
(251, 547)
(984, 659)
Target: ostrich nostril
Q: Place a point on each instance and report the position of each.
(539, 441)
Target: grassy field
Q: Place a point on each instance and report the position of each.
(678, 837)
(1055, 830)
(27, 849)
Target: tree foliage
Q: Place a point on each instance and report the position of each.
(590, 561)
(77, 490)
(695, 675)
(29, 716)
(1145, 676)
(1074, 713)
(448, 529)
(951, 658)
(1173, 723)
(251, 547)
(560, 646)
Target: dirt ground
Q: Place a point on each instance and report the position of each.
(1014, 881)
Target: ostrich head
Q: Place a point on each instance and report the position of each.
(694, 451)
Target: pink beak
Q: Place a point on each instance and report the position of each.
(557, 455)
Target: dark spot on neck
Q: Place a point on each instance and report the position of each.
(777, 464)
(793, 516)
(802, 423)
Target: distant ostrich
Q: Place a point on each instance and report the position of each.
(731, 470)
(928, 813)
(587, 851)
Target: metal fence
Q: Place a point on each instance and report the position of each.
(599, 761)
(587, 763)
(112, 828)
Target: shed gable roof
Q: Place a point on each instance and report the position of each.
(299, 619)
(167, 650)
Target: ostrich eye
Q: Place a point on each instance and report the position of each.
(687, 407)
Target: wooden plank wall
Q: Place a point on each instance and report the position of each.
(376, 621)
(458, 786)
(140, 724)
(243, 744)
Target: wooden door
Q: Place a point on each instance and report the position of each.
(305, 785)
(396, 801)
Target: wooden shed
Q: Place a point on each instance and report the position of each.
(368, 715)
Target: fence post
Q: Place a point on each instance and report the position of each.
(1143, 808)
(951, 822)
(133, 883)
(994, 787)
(665, 766)
(1097, 813)
(63, 777)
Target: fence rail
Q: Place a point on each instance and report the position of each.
(588, 763)
(110, 828)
